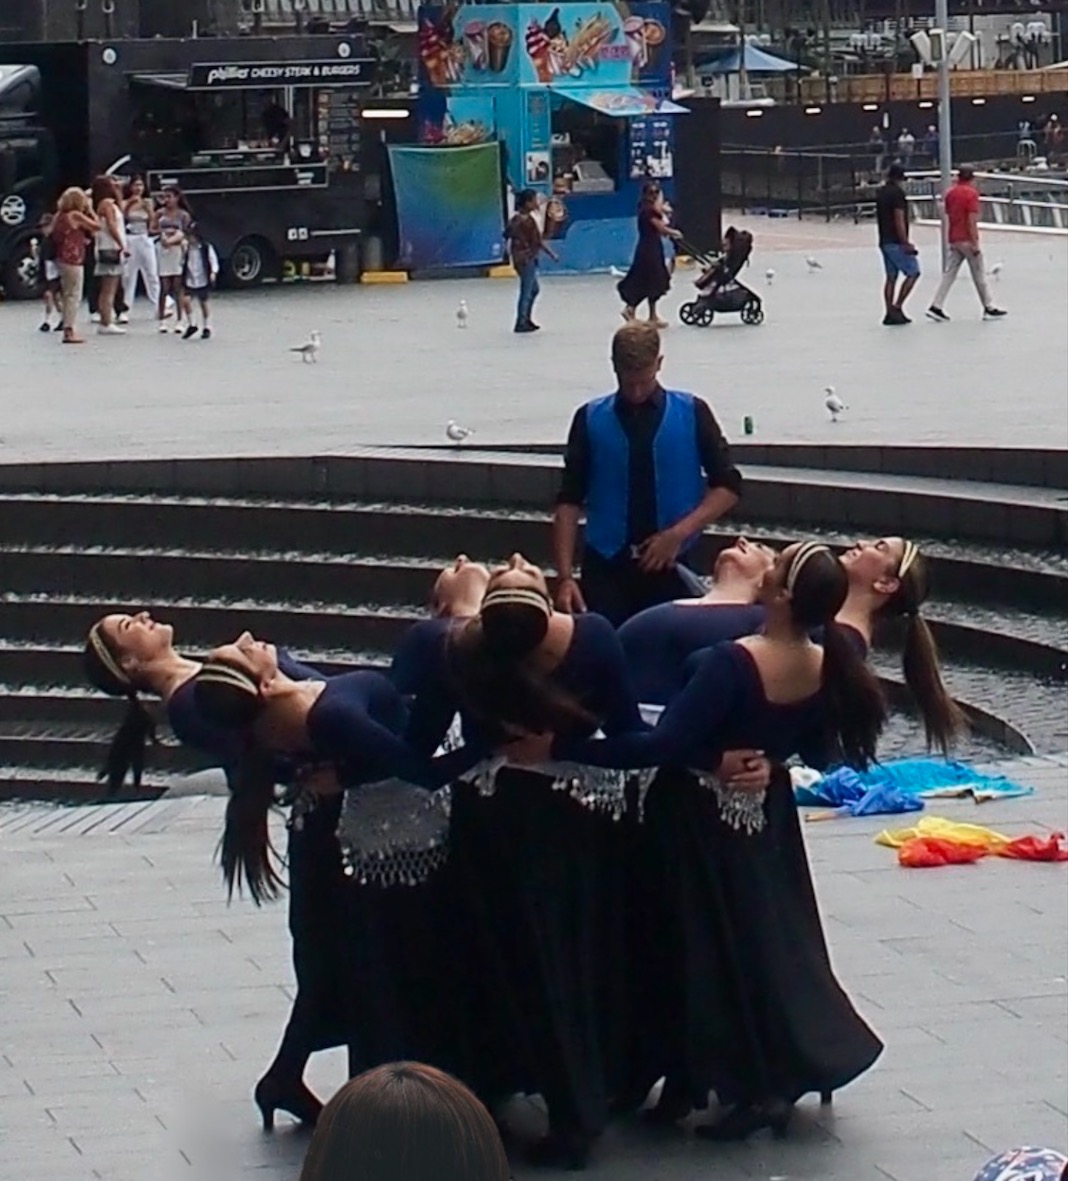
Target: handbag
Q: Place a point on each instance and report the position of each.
(109, 258)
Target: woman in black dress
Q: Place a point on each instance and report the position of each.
(648, 279)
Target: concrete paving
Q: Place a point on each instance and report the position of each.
(139, 1008)
(394, 367)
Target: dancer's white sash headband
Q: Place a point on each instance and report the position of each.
(908, 555)
(797, 563)
(225, 674)
(96, 642)
(517, 594)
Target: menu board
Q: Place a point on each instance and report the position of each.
(651, 148)
(338, 130)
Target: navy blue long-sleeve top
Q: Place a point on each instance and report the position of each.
(358, 722)
(593, 671)
(222, 747)
(722, 707)
(658, 641)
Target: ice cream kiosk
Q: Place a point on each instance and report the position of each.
(578, 96)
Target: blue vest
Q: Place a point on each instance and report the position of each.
(680, 481)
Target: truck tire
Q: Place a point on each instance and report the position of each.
(348, 262)
(251, 261)
(22, 273)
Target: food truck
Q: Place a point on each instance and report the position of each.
(578, 97)
(263, 136)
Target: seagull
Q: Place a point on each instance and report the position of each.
(769, 274)
(813, 264)
(309, 351)
(995, 270)
(461, 314)
(456, 433)
(834, 403)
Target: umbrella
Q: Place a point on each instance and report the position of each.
(755, 61)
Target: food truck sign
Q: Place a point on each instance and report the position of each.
(263, 75)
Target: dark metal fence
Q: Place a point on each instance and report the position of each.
(839, 180)
(788, 182)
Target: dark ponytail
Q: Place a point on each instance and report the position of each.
(856, 709)
(126, 754)
(943, 719)
(245, 850)
(856, 705)
(228, 696)
(491, 660)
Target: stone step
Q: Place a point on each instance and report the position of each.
(205, 625)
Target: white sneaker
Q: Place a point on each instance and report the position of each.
(177, 329)
(110, 330)
(95, 318)
(162, 326)
(122, 318)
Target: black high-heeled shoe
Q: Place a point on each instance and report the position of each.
(675, 1104)
(561, 1150)
(274, 1094)
(746, 1120)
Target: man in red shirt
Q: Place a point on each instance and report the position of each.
(962, 212)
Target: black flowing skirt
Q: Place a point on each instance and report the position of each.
(539, 934)
(733, 988)
(648, 277)
(317, 889)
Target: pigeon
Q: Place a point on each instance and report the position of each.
(309, 351)
(461, 314)
(456, 433)
(813, 264)
(769, 274)
(995, 270)
(834, 403)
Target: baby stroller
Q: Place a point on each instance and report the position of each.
(718, 285)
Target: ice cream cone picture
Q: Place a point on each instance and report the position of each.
(475, 43)
(499, 46)
(537, 43)
(634, 32)
(655, 39)
(432, 53)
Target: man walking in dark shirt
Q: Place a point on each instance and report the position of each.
(899, 255)
(524, 237)
(651, 468)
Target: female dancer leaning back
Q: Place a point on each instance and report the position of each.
(888, 578)
(658, 641)
(742, 997)
(393, 958)
(132, 656)
(537, 854)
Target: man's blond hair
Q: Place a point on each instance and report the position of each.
(635, 347)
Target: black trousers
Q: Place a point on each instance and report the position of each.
(618, 588)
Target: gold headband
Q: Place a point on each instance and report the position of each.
(96, 642)
(908, 555)
(797, 564)
(225, 674)
(517, 594)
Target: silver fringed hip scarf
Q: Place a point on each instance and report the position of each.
(393, 833)
(741, 810)
(599, 789)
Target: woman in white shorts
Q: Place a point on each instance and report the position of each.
(173, 223)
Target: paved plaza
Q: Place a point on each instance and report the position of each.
(139, 1008)
(394, 366)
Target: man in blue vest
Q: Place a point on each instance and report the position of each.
(651, 468)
